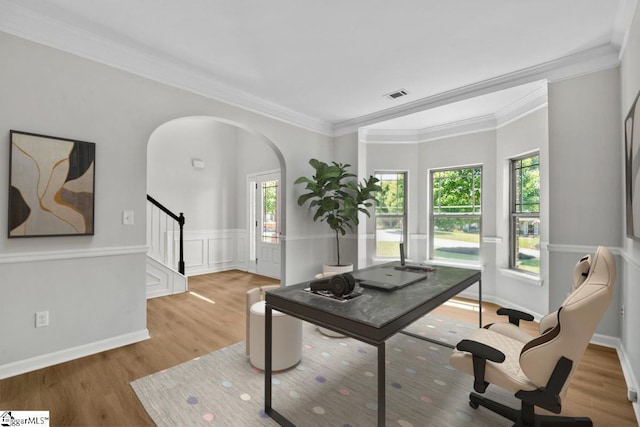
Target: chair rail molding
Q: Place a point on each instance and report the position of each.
(580, 249)
(13, 258)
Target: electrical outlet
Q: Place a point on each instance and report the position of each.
(42, 319)
(622, 310)
(632, 395)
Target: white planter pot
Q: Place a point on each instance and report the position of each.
(337, 269)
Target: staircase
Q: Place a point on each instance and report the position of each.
(165, 253)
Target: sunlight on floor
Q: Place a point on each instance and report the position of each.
(465, 305)
(202, 298)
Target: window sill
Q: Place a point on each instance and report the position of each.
(469, 265)
(523, 277)
(380, 259)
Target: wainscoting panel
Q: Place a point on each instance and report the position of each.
(271, 254)
(242, 252)
(194, 252)
(162, 280)
(221, 250)
(208, 251)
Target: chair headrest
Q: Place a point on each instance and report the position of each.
(601, 277)
(603, 268)
(581, 271)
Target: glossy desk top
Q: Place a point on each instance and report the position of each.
(375, 315)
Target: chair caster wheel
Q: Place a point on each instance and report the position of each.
(474, 405)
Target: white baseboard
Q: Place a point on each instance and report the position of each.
(50, 359)
(629, 376)
(499, 302)
(216, 269)
(607, 341)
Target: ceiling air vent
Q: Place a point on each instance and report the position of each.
(396, 94)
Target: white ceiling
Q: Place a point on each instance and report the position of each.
(326, 65)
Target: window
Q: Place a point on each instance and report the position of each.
(269, 216)
(525, 214)
(456, 214)
(391, 213)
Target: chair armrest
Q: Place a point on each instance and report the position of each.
(480, 353)
(481, 350)
(515, 316)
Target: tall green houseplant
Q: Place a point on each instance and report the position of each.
(336, 196)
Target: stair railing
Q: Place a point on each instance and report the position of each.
(179, 219)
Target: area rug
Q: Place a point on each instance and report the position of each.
(335, 384)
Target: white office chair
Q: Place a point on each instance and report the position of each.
(538, 369)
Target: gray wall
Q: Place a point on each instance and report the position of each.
(585, 153)
(578, 136)
(208, 196)
(585, 173)
(213, 198)
(630, 86)
(94, 287)
(524, 135)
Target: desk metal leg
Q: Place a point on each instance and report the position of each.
(382, 368)
(268, 370)
(433, 340)
(480, 303)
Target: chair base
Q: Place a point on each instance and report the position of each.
(526, 417)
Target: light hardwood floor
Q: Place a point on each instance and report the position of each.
(95, 390)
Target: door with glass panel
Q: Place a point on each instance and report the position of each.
(267, 224)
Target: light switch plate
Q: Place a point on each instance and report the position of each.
(127, 217)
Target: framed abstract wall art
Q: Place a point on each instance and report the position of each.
(51, 186)
(632, 169)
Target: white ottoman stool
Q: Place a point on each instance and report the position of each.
(287, 338)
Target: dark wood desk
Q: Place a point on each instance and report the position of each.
(372, 317)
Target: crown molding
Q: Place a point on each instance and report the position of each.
(622, 25)
(447, 130)
(526, 105)
(462, 127)
(388, 136)
(21, 21)
(585, 62)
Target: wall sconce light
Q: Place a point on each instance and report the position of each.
(197, 163)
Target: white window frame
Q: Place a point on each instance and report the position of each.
(433, 216)
(515, 215)
(403, 216)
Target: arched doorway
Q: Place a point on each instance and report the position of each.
(202, 166)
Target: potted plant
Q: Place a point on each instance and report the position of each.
(336, 197)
